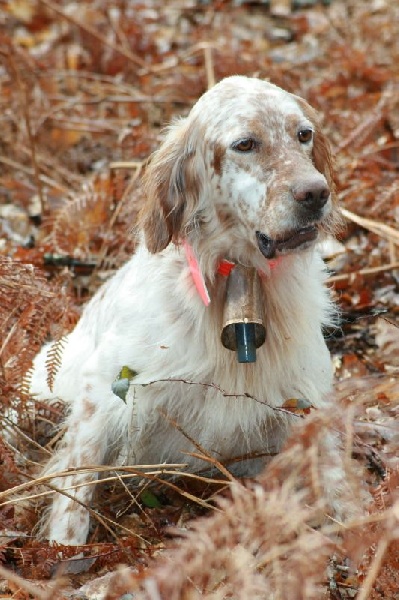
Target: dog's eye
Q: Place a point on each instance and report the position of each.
(305, 135)
(244, 145)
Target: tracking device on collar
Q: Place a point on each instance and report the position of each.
(243, 328)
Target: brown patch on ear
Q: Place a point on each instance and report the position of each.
(172, 182)
(150, 218)
(324, 162)
(322, 157)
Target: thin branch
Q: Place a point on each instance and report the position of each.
(365, 272)
(91, 31)
(126, 164)
(209, 67)
(224, 393)
(377, 227)
(138, 470)
(206, 456)
(364, 591)
(25, 104)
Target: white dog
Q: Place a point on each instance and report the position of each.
(245, 178)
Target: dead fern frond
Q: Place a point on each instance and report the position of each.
(7, 458)
(29, 309)
(261, 544)
(81, 221)
(54, 359)
(97, 225)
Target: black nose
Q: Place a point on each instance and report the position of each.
(311, 193)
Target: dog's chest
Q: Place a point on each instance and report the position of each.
(169, 418)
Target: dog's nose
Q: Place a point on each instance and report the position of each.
(311, 193)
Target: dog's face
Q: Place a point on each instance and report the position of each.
(249, 165)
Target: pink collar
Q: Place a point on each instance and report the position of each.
(224, 268)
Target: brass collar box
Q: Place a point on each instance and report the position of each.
(243, 328)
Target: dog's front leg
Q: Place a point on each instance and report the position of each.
(85, 445)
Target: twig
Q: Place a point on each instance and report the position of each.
(126, 99)
(134, 501)
(385, 231)
(366, 271)
(32, 141)
(153, 477)
(81, 125)
(209, 66)
(138, 470)
(102, 78)
(207, 457)
(126, 164)
(189, 496)
(392, 252)
(173, 63)
(25, 104)
(10, 334)
(375, 566)
(126, 53)
(337, 527)
(377, 227)
(223, 392)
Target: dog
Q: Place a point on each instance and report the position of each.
(245, 179)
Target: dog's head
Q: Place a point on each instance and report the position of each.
(249, 169)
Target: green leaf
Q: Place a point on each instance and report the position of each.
(149, 499)
(121, 384)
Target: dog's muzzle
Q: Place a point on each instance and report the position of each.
(271, 247)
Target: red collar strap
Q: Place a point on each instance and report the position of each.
(225, 267)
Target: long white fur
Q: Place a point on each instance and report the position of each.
(150, 317)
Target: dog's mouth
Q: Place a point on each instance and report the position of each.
(301, 237)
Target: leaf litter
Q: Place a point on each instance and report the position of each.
(86, 88)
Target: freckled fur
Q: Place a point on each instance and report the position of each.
(150, 317)
(218, 154)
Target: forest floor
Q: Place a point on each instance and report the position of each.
(85, 91)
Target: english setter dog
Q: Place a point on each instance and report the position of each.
(246, 179)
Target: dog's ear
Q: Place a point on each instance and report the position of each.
(323, 159)
(324, 162)
(322, 156)
(172, 184)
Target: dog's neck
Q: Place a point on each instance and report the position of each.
(223, 268)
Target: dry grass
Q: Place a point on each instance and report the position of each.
(85, 93)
